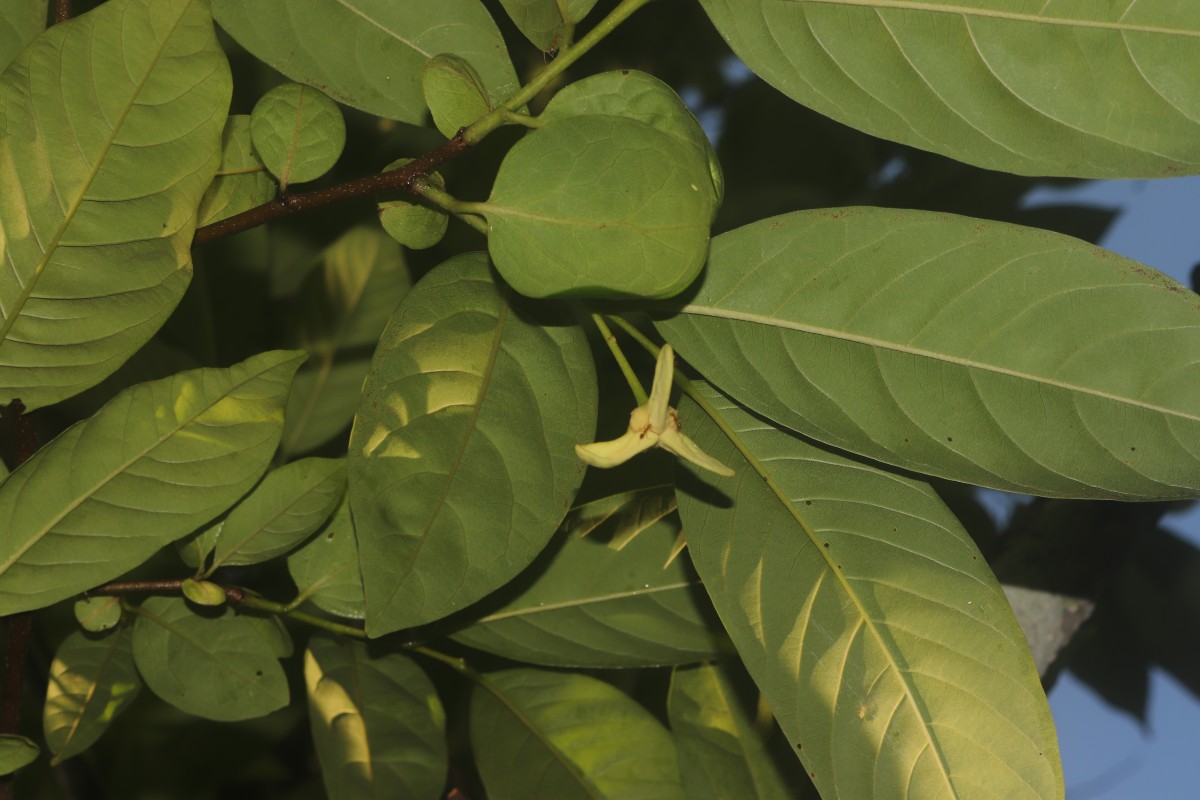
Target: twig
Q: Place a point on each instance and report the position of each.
(62, 11)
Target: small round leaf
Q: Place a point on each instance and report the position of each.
(203, 593)
(97, 614)
(16, 752)
(454, 93)
(600, 206)
(411, 224)
(298, 132)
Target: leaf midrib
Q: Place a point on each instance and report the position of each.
(966, 363)
(985, 13)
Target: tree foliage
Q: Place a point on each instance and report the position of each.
(323, 343)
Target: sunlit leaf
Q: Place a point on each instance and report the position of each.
(242, 181)
(220, 666)
(461, 459)
(326, 571)
(110, 129)
(978, 351)
(377, 723)
(567, 735)
(968, 78)
(369, 53)
(298, 133)
(92, 680)
(866, 615)
(600, 206)
(20, 22)
(159, 460)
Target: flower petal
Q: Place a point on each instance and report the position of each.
(660, 391)
(617, 451)
(685, 448)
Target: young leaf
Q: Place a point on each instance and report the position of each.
(566, 736)
(978, 351)
(343, 307)
(218, 666)
(723, 751)
(16, 752)
(600, 206)
(414, 225)
(92, 680)
(377, 723)
(98, 614)
(461, 463)
(242, 181)
(454, 93)
(326, 571)
(307, 40)
(873, 626)
(968, 79)
(596, 603)
(20, 23)
(544, 21)
(109, 135)
(159, 460)
(282, 511)
(298, 133)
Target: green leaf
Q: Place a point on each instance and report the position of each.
(869, 620)
(599, 206)
(282, 511)
(638, 95)
(98, 614)
(202, 593)
(110, 129)
(218, 666)
(342, 309)
(92, 680)
(377, 723)
(16, 752)
(308, 40)
(461, 458)
(607, 600)
(454, 93)
(566, 736)
(414, 225)
(325, 568)
(544, 21)
(978, 351)
(298, 133)
(20, 23)
(722, 749)
(159, 460)
(968, 79)
(242, 181)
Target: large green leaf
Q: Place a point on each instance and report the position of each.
(462, 458)
(222, 666)
(92, 680)
(565, 736)
(723, 749)
(20, 22)
(342, 309)
(602, 601)
(978, 351)
(159, 460)
(969, 79)
(326, 570)
(377, 723)
(369, 53)
(110, 131)
(870, 621)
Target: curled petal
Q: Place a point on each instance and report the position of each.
(617, 451)
(685, 448)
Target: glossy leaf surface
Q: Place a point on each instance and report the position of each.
(110, 131)
(869, 620)
(369, 53)
(567, 736)
(604, 601)
(298, 133)
(968, 79)
(242, 181)
(222, 666)
(600, 206)
(461, 458)
(326, 570)
(377, 723)
(159, 460)
(977, 351)
(92, 680)
(283, 510)
(544, 21)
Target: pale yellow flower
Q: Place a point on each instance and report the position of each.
(655, 424)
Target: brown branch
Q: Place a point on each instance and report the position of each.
(62, 11)
(117, 588)
(288, 204)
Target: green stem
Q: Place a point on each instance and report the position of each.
(262, 604)
(449, 202)
(639, 391)
(568, 56)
